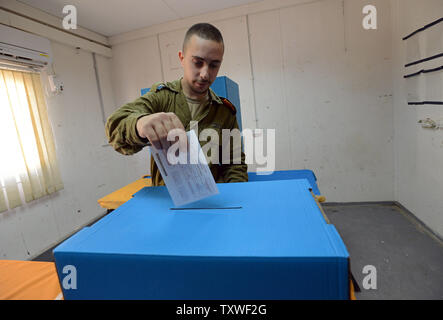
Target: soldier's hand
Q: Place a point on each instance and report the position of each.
(156, 127)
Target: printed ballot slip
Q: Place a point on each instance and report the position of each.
(187, 176)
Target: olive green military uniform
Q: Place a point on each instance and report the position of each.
(169, 97)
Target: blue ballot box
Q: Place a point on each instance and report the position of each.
(260, 240)
(287, 175)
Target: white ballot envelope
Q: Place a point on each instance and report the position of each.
(190, 179)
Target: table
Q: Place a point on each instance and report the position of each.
(118, 197)
(28, 280)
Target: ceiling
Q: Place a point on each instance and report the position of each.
(112, 17)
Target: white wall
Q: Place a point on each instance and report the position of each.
(305, 68)
(418, 151)
(325, 83)
(135, 65)
(90, 168)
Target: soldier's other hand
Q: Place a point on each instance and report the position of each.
(155, 128)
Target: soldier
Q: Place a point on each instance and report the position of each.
(173, 105)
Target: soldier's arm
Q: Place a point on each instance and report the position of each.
(133, 125)
(237, 169)
(121, 125)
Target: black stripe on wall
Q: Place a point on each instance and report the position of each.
(426, 102)
(424, 28)
(425, 59)
(423, 71)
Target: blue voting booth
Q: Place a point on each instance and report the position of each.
(223, 87)
(255, 240)
(288, 175)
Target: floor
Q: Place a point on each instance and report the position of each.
(408, 257)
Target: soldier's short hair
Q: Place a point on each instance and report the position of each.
(205, 31)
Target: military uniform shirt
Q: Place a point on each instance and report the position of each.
(196, 107)
(169, 97)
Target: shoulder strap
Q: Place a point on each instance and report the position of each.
(158, 86)
(229, 105)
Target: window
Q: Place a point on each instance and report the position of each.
(28, 165)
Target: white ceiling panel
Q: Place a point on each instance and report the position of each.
(189, 8)
(112, 17)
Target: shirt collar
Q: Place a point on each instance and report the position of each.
(177, 87)
(214, 97)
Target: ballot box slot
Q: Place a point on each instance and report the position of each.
(217, 208)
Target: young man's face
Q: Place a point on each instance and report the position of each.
(201, 61)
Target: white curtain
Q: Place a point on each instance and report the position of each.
(27, 150)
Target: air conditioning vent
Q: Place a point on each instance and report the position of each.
(23, 50)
